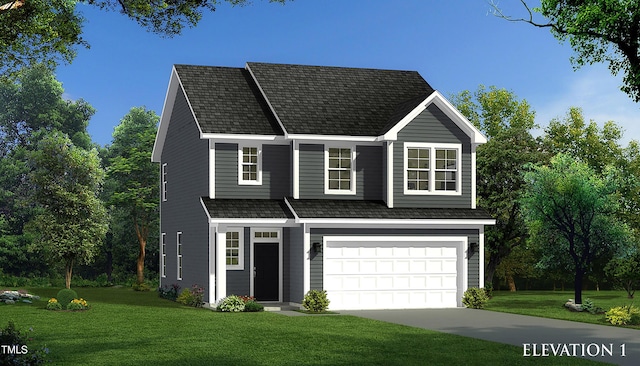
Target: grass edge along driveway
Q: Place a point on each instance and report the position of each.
(133, 328)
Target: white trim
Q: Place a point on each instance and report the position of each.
(264, 95)
(241, 180)
(441, 102)
(253, 241)
(179, 256)
(352, 173)
(212, 264)
(295, 214)
(163, 255)
(240, 265)
(221, 263)
(296, 169)
(395, 223)
(473, 176)
(250, 222)
(462, 262)
(306, 264)
(163, 182)
(481, 258)
(390, 147)
(333, 138)
(236, 137)
(432, 168)
(212, 169)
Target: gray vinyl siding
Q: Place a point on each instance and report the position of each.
(296, 264)
(276, 173)
(369, 173)
(431, 126)
(317, 235)
(238, 281)
(186, 156)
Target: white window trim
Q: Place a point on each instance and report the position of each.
(163, 254)
(240, 265)
(242, 181)
(353, 169)
(164, 182)
(179, 256)
(432, 170)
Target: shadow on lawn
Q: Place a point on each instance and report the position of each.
(110, 295)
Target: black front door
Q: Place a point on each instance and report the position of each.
(266, 283)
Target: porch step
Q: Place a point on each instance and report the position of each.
(278, 307)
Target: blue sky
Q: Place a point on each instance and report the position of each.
(455, 45)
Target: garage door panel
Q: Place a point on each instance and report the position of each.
(378, 274)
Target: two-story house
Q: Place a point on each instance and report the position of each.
(277, 179)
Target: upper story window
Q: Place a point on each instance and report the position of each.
(164, 182)
(235, 249)
(432, 168)
(163, 257)
(339, 175)
(250, 164)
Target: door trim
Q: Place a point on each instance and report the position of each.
(253, 240)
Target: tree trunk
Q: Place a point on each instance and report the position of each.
(141, 233)
(577, 287)
(68, 270)
(494, 261)
(512, 283)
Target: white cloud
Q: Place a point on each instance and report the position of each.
(597, 92)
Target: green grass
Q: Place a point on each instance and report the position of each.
(124, 327)
(550, 304)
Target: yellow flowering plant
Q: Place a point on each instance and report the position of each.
(78, 304)
(53, 304)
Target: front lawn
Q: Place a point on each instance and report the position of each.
(550, 304)
(124, 327)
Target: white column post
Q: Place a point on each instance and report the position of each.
(306, 268)
(221, 263)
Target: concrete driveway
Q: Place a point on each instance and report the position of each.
(565, 338)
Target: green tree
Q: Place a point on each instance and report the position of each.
(571, 215)
(625, 270)
(72, 221)
(49, 31)
(597, 30)
(134, 178)
(507, 123)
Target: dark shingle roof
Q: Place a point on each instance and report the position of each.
(354, 209)
(338, 100)
(226, 100)
(247, 209)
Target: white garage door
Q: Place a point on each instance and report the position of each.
(394, 272)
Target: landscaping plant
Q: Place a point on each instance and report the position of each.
(65, 296)
(192, 297)
(169, 292)
(316, 301)
(232, 304)
(475, 298)
(623, 315)
(23, 354)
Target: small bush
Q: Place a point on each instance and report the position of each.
(590, 306)
(53, 304)
(10, 336)
(623, 315)
(231, 303)
(169, 292)
(488, 289)
(78, 304)
(192, 297)
(65, 296)
(252, 306)
(316, 301)
(141, 287)
(475, 298)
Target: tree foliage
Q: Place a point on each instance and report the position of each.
(597, 30)
(133, 177)
(507, 123)
(571, 214)
(72, 221)
(625, 270)
(50, 31)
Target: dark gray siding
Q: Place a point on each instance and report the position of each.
(276, 173)
(237, 280)
(295, 241)
(369, 176)
(317, 235)
(431, 126)
(187, 158)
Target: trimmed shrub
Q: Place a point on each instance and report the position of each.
(169, 292)
(475, 298)
(252, 306)
(623, 315)
(65, 296)
(141, 287)
(192, 297)
(316, 301)
(231, 303)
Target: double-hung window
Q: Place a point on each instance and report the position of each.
(164, 182)
(250, 164)
(163, 247)
(179, 254)
(235, 249)
(339, 175)
(432, 168)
